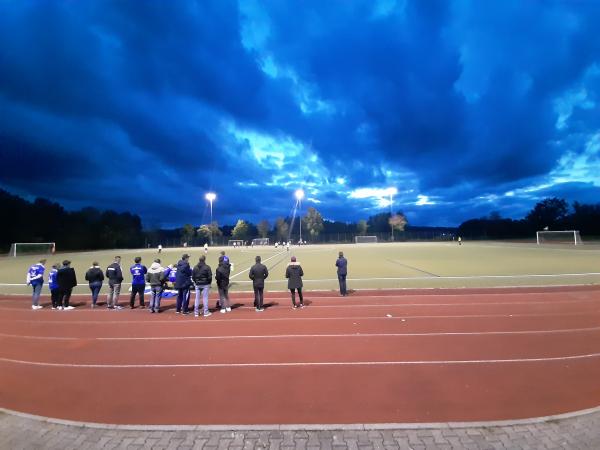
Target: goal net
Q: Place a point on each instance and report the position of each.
(365, 239)
(235, 243)
(260, 241)
(559, 237)
(32, 248)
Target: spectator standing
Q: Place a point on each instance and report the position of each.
(138, 282)
(258, 273)
(202, 277)
(95, 277)
(35, 279)
(222, 275)
(294, 274)
(342, 271)
(115, 278)
(156, 278)
(53, 285)
(183, 282)
(67, 280)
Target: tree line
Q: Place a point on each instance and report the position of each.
(90, 228)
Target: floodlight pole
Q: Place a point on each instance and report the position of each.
(299, 196)
(391, 215)
(211, 196)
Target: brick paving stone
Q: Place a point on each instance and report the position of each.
(575, 433)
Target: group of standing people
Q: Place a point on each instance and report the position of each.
(62, 280)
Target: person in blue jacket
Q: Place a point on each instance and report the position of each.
(342, 271)
(53, 285)
(35, 279)
(138, 282)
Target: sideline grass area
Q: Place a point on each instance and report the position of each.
(398, 265)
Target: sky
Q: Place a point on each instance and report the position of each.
(460, 108)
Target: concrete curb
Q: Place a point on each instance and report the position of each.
(309, 427)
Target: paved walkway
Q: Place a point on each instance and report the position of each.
(581, 432)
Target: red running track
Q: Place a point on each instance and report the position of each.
(373, 357)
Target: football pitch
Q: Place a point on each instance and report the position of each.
(370, 266)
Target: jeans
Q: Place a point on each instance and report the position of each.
(137, 289)
(55, 297)
(95, 287)
(112, 299)
(155, 297)
(37, 290)
(342, 280)
(64, 297)
(205, 288)
(258, 297)
(183, 300)
(224, 297)
(299, 295)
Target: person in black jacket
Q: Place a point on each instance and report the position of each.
(342, 270)
(258, 273)
(67, 280)
(115, 278)
(95, 277)
(202, 277)
(222, 277)
(183, 282)
(294, 274)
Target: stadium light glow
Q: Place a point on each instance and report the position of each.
(299, 194)
(211, 196)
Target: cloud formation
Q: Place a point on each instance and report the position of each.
(463, 107)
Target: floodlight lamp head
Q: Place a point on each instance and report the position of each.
(392, 191)
(299, 194)
(210, 196)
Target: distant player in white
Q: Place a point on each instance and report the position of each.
(205, 248)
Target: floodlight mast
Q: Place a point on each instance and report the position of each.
(392, 191)
(211, 196)
(299, 196)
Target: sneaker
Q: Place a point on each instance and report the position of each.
(118, 307)
(223, 311)
(208, 313)
(93, 306)
(131, 307)
(185, 313)
(54, 307)
(61, 308)
(196, 314)
(260, 309)
(152, 311)
(143, 306)
(69, 307)
(294, 307)
(176, 312)
(228, 309)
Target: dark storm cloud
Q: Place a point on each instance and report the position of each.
(474, 105)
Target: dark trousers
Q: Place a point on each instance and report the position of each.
(293, 291)
(55, 297)
(183, 299)
(95, 287)
(258, 297)
(342, 280)
(64, 296)
(137, 289)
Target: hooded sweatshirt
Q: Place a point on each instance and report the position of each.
(156, 274)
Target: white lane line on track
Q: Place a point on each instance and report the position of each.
(303, 364)
(205, 321)
(294, 336)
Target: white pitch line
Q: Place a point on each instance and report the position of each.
(248, 268)
(303, 364)
(295, 336)
(205, 321)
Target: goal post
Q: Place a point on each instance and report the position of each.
(32, 248)
(235, 243)
(260, 241)
(365, 239)
(558, 237)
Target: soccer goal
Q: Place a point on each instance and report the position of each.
(365, 239)
(559, 237)
(32, 248)
(235, 243)
(260, 241)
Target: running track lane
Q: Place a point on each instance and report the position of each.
(393, 371)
